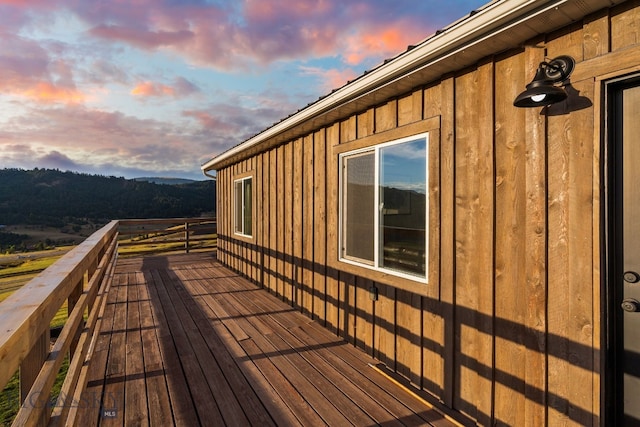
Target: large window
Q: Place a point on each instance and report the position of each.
(384, 206)
(242, 197)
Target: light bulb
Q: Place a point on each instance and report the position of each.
(538, 98)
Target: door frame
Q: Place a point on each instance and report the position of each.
(611, 404)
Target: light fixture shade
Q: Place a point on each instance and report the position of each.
(542, 90)
(540, 95)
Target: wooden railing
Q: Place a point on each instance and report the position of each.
(81, 278)
(139, 236)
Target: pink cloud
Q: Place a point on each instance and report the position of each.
(23, 3)
(29, 72)
(152, 89)
(75, 135)
(181, 87)
(330, 79)
(270, 10)
(384, 40)
(264, 31)
(229, 35)
(46, 92)
(144, 39)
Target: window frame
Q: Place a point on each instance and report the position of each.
(242, 180)
(377, 250)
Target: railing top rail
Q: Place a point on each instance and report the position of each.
(136, 221)
(26, 314)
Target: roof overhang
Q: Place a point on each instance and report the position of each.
(496, 27)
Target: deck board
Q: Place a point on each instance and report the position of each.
(186, 341)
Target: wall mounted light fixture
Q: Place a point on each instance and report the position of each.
(546, 87)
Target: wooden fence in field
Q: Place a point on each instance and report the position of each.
(82, 278)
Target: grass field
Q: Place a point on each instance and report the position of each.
(16, 271)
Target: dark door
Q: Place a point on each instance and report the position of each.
(624, 255)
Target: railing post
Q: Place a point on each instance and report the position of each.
(92, 269)
(74, 296)
(186, 237)
(29, 370)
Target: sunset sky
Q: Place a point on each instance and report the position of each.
(157, 87)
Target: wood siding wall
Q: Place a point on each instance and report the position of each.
(507, 330)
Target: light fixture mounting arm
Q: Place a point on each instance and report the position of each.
(558, 69)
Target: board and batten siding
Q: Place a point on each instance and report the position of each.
(507, 329)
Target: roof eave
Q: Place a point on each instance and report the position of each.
(494, 19)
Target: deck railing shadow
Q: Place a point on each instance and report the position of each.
(547, 344)
(202, 358)
(82, 278)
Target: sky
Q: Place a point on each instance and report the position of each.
(134, 88)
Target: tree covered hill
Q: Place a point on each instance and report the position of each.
(54, 198)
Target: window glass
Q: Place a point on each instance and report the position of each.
(403, 196)
(238, 207)
(247, 207)
(359, 206)
(384, 206)
(243, 206)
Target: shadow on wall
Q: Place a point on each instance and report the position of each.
(550, 344)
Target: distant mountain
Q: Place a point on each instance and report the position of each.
(51, 197)
(165, 181)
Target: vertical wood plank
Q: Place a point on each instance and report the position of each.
(280, 219)
(625, 25)
(236, 245)
(332, 138)
(363, 310)
(298, 213)
(239, 258)
(384, 330)
(433, 96)
(447, 235)
(510, 269)
(474, 236)
(570, 301)
(434, 220)
(229, 215)
(598, 237)
(409, 335)
(319, 228)
(568, 42)
(433, 325)
(221, 215)
(387, 116)
(259, 219)
(287, 214)
(536, 257)
(266, 219)
(596, 35)
(365, 123)
(243, 253)
(410, 108)
(273, 224)
(348, 130)
(308, 226)
(433, 347)
(347, 281)
(253, 255)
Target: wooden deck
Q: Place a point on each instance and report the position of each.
(186, 341)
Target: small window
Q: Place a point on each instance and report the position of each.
(384, 207)
(243, 212)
